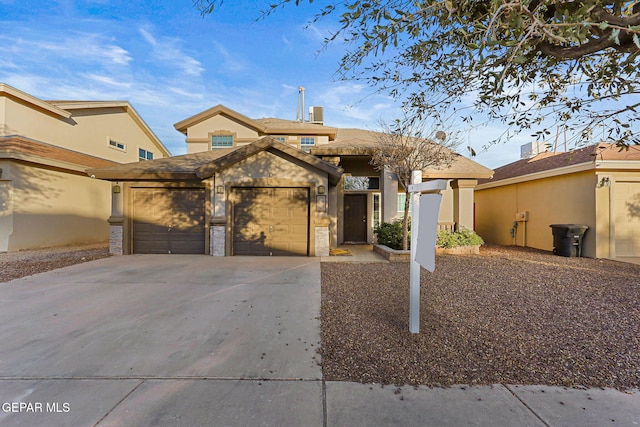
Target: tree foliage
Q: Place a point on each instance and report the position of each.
(525, 62)
(408, 145)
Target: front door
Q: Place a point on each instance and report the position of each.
(355, 218)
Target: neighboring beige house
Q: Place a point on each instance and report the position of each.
(46, 198)
(597, 186)
(265, 187)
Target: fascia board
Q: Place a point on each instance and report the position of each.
(618, 164)
(12, 92)
(182, 125)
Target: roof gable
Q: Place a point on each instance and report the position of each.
(204, 164)
(183, 125)
(267, 144)
(125, 105)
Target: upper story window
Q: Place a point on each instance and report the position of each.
(280, 138)
(144, 154)
(117, 145)
(221, 141)
(306, 142)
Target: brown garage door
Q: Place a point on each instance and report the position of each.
(270, 221)
(168, 221)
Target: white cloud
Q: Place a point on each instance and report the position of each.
(167, 52)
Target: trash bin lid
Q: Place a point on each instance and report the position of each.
(561, 229)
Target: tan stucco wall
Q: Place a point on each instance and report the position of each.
(87, 131)
(565, 199)
(51, 208)
(200, 132)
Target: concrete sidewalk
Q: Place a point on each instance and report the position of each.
(204, 341)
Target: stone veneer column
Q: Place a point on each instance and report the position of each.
(322, 241)
(116, 236)
(217, 237)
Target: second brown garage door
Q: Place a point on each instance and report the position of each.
(168, 221)
(271, 221)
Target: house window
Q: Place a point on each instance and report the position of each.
(221, 141)
(307, 142)
(144, 154)
(280, 138)
(117, 145)
(401, 198)
(361, 183)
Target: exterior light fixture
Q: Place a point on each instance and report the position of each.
(220, 189)
(321, 189)
(116, 189)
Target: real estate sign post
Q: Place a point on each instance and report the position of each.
(424, 225)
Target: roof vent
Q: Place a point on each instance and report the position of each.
(532, 149)
(316, 115)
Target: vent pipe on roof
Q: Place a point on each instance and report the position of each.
(300, 111)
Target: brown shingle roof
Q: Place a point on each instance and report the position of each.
(21, 148)
(549, 161)
(197, 166)
(364, 142)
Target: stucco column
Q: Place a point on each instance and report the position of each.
(463, 202)
(389, 196)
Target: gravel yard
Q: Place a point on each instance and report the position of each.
(509, 315)
(14, 265)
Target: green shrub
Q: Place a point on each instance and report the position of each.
(390, 234)
(453, 239)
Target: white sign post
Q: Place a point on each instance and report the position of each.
(424, 224)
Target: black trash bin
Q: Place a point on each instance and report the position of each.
(567, 239)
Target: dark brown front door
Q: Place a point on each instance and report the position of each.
(355, 218)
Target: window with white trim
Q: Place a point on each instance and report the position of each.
(306, 142)
(117, 145)
(221, 141)
(144, 154)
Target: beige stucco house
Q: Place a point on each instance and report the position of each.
(265, 187)
(597, 186)
(46, 198)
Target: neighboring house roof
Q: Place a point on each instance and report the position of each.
(63, 109)
(29, 150)
(584, 158)
(197, 166)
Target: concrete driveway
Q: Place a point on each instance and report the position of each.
(163, 340)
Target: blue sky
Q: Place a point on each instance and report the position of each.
(172, 63)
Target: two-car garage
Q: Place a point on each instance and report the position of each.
(265, 221)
